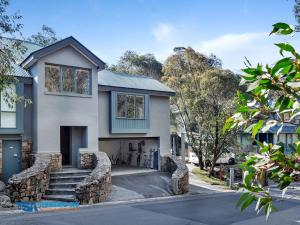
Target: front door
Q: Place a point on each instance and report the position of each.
(11, 158)
(65, 147)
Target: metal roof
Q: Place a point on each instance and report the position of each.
(287, 128)
(30, 47)
(128, 81)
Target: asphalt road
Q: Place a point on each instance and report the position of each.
(212, 209)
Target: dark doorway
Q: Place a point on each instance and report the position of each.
(65, 146)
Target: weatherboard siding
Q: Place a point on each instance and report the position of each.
(120, 125)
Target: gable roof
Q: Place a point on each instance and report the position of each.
(69, 41)
(137, 82)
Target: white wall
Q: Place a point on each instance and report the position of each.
(53, 111)
(159, 115)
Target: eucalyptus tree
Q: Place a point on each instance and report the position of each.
(133, 63)
(45, 37)
(193, 76)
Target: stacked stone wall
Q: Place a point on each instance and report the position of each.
(96, 187)
(179, 171)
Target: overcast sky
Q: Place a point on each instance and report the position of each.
(231, 29)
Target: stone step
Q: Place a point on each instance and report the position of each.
(62, 185)
(58, 191)
(64, 198)
(67, 179)
(70, 173)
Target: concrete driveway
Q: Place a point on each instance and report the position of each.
(140, 185)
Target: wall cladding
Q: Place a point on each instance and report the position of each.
(141, 152)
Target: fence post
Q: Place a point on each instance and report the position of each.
(231, 177)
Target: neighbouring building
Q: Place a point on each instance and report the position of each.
(287, 135)
(77, 106)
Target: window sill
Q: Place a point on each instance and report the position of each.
(68, 94)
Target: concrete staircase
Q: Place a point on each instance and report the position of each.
(63, 183)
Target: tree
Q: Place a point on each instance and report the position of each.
(10, 49)
(132, 63)
(185, 72)
(45, 37)
(215, 103)
(271, 90)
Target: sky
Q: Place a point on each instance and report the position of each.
(230, 29)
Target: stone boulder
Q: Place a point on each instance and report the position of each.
(5, 201)
(2, 186)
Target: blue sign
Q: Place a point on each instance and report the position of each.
(45, 205)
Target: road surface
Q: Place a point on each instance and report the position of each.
(200, 209)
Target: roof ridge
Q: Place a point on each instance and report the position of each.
(27, 41)
(129, 74)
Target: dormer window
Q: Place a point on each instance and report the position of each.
(67, 79)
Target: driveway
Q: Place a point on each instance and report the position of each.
(141, 185)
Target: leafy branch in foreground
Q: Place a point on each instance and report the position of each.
(272, 91)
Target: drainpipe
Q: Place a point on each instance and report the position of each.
(183, 147)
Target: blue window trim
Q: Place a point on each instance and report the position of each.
(19, 114)
(124, 125)
(74, 93)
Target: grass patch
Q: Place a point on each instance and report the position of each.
(203, 175)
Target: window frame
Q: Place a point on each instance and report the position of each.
(126, 106)
(74, 83)
(5, 111)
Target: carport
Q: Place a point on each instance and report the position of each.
(131, 155)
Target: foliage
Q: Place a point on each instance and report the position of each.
(45, 37)
(203, 175)
(132, 63)
(272, 91)
(202, 101)
(10, 49)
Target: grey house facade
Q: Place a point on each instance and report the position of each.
(77, 106)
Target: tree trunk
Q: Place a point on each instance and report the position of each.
(201, 164)
(212, 168)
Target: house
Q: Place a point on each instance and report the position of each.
(77, 106)
(287, 135)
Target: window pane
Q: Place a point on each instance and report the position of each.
(7, 99)
(68, 79)
(121, 99)
(52, 78)
(8, 120)
(83, 84)
(139, 107)
(130, 106)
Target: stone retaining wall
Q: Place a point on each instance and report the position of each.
(96, 187)
(179, 171)
(86, 160)
(32, 183)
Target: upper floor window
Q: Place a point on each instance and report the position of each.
(130, 106)
(67, 79)
(8, 108)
